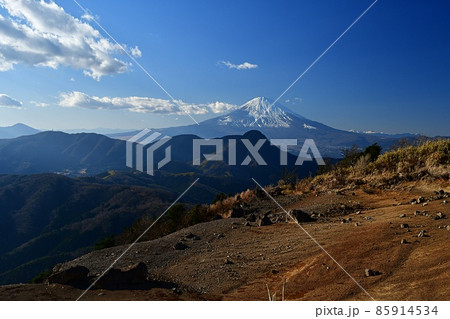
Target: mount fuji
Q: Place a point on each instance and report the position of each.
(276, 121)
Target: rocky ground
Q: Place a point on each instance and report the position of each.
(394, 243)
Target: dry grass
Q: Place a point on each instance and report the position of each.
(429, 160)
(224, 207)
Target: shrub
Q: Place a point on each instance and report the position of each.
(42, 277)
(220, 197)
(105, 243)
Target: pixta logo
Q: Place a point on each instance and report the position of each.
(253, 151)
(141, 151)
(136, 145)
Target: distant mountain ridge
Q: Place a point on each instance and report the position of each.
(16, 130)
(90, 154)
(57, 152)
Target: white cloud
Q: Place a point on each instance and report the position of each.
(140, 104)
(88, 17)
(136, 52)
(221, 107)
(41, 33)
(9, 102)
(242, 66)
(294, 100)
(40, 104)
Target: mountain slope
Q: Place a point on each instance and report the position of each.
(16, 131)
(49, 218)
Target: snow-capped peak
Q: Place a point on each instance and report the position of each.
(259, 112)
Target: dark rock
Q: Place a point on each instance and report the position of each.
(180, 246)
(404, 226)
(217, 217)
(251, 218)
(264, 221)
(116, 278)
(402, 216)
(301, 216)
(237, 212)
(70, 276)
(403, 241)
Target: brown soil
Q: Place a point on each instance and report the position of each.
(231, 261)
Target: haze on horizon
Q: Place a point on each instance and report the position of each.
(59, 70)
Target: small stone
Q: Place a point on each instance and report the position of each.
(228, 262)
(371, 273)
(356, 224)
(192, 236)
(440, 215)
(358, 212)
(403, 241)
(404, 226)
(422, 233)
(367, 218)
(416, 213)
(402, 216)
(424, 204)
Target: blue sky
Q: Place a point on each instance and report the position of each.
(389, 73)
